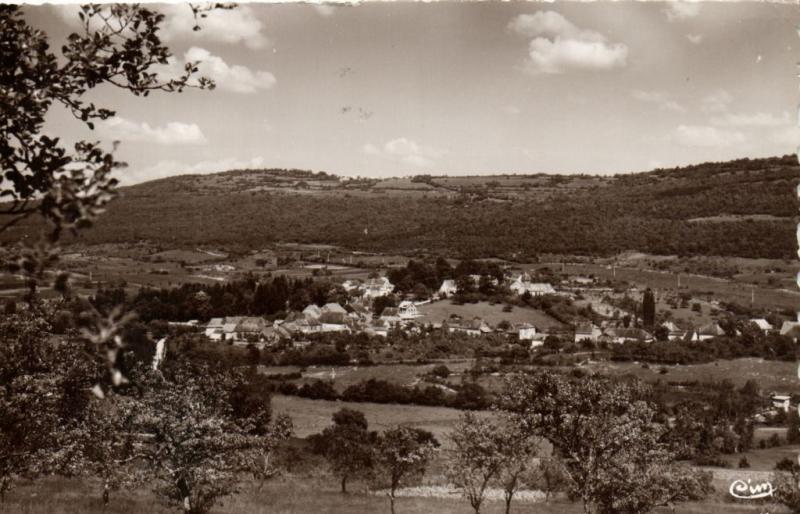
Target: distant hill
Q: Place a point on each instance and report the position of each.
(740, 208)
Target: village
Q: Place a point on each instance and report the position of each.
(357, 315)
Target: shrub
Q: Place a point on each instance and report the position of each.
(441, 371)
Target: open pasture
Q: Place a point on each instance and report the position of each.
(779, 376)
(300, 495)
(437, 312)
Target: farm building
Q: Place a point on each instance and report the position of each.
(587, 331)
(674, 331)
(407, 310)
(762, 324)
(526, 331)
(781, 401)
(333, 313)
(707, 332)
(522, 285)
(377, 287)
(312, 312)
(474, 327)
(624, 335)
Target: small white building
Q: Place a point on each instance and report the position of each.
(312, 312)
(587, 331)
(448, 288)
(407, 310)
(781, 401)
(526, 332)
(377, 287)
(522, 285)
(762, 324)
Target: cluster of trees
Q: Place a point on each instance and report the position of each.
(601, 442)
(422, 278)
(249, 296)
(767, 346)
(710, 419)
(467, 396)
(388, 460)
(186, 430)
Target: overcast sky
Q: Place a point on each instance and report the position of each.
(400, 89)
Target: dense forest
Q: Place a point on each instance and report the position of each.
(739, 208)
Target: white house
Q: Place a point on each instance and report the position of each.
(675, 332)
(762, 324)
(522, 285)
(789, 326)
(526, 331)
(475, 327)
(707, 332)
(587, 331)
(407, 310)
(781, 401)
(376, 287)
(448, 288)
(312, 312)
(213, 329)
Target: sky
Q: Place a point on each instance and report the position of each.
(394, 89)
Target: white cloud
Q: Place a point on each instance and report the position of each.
(788, 137)
(695, 38)
(717, 101)
(173, 133)
(706, 136)
(405, 151)
(232, 26)
(233, 78)
(559, 46)
(681, 10)
(658, 98)
(757, 119)
(169, 168)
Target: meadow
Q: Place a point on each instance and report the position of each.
(778, 376)
(300, 495)
(437, 312)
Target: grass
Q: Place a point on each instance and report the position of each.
(291, 495)
(312, 416)
(779, 376)
(722, 290)
(437, 312)
(402, 374)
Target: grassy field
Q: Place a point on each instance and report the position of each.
(437, 312)
(403, 374)
(776, 376)
(720, 289)
(312, 416)
(292, 495)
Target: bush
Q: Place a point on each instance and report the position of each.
(743, 463)
(318, 390)
(711, 460)
(787, 464)
(441, 371)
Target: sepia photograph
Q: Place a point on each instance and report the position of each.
(401, 257)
